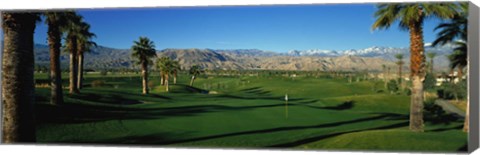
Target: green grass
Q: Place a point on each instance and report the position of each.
(244, 112)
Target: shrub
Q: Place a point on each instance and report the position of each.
(103, 72)
(407, 92)
(151, 84)
(435, 114)
(98, 83)
(453, 91)
(392, 86)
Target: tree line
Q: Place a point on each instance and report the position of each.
(144, 50)
(18, 65)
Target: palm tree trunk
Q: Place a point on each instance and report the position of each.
(388, 74)
(460, 74)
(73, 66)
(18, 88)
(385, 78)
(191, 81)
(399, 74)
(175, 77)
(465, 124)
(162, 79)
(54, 44)
(417, 66)
(145, 77)
(80, 72)
(166, 82)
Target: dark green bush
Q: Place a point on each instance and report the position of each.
(392, 86)
(450, 91)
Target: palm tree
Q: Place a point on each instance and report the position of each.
(73, 33)
(411, 17)
(458, 59)
(165, 65)
(57, 23)
(195, 70)
(85, 44)
(175, 69)
(18, 90)
(431, 56)
(400, 66)
(161, 61)
(144, 50)
(456, 28)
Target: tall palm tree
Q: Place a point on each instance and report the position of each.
(85, 44)
(195, 70)
(144, 50)
(18, 90)
(57, 23)
(400, 63)
(411, 17)
(73, 33)
(431, 56)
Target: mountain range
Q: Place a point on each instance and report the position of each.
(252, 59)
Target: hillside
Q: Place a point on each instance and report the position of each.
(247, 59)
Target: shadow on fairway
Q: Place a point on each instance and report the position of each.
(446, 129)
(108, 99)
(256, 91)
(317, 138)
(436, 115)
(183, 88)
(343, 106)
(139, 94)
(464, 148)
(115, 106)
(282, 129)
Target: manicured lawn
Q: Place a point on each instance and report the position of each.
(241, 112)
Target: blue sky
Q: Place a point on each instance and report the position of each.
(277, 28)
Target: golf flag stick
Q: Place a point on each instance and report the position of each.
(286, 105)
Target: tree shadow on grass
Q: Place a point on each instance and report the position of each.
(464, 148)
(82, 113)
(342, 106)
(318, 138)
(436, 115)
(252, 88)
(446, 129)
(345, 105)
(114, 99)
(116, 107)
(290, 128)
(258, 91)
(136, 94)
(165, 139)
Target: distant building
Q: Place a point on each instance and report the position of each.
(448, 78)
